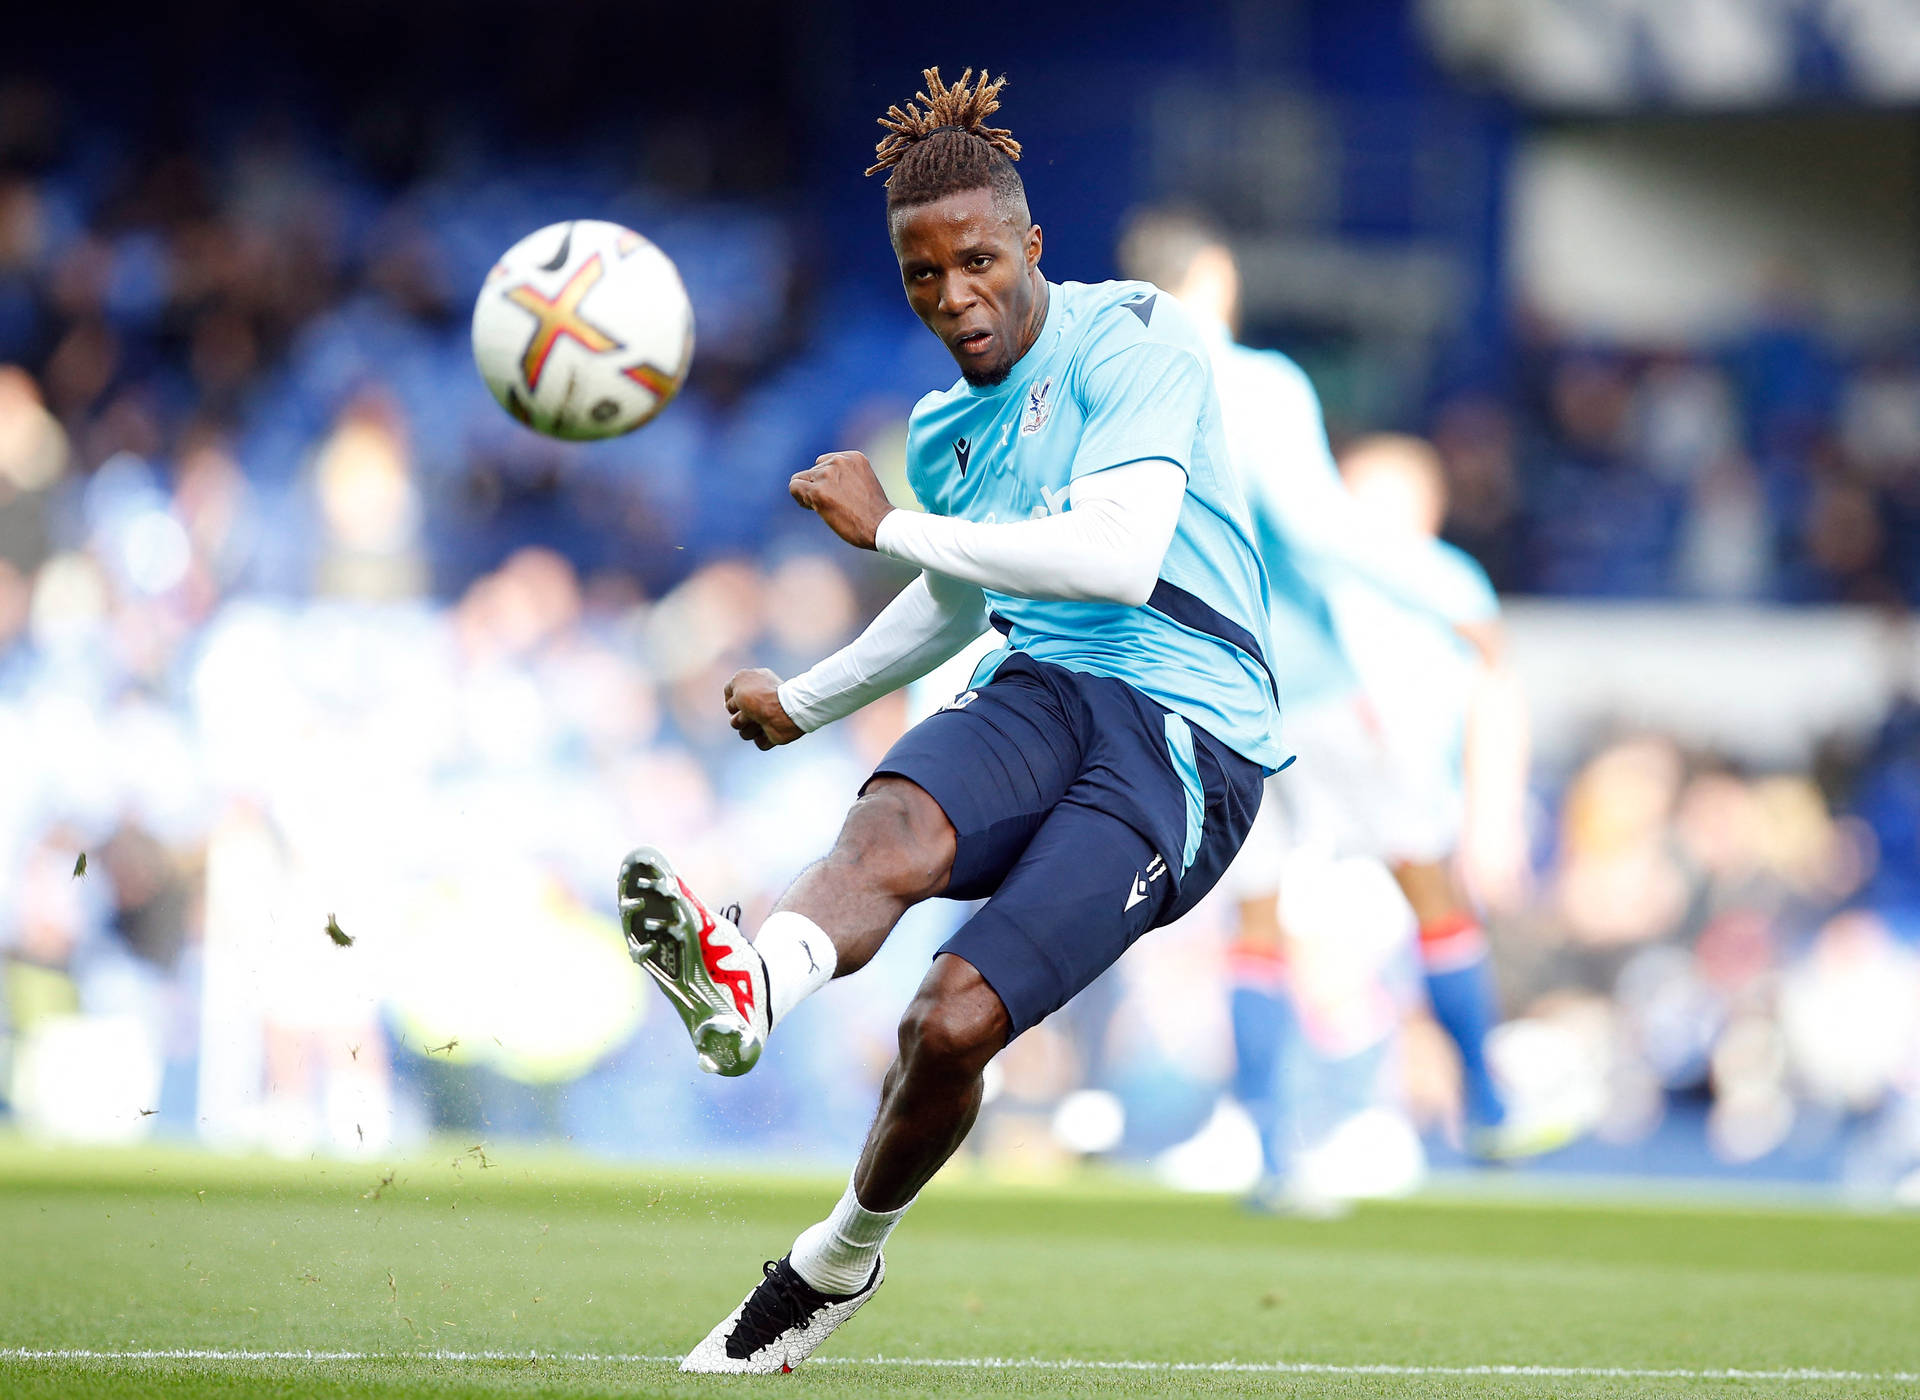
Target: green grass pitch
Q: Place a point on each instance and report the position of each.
(509, 1273)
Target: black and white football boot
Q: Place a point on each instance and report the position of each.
(699, 959)
(778, 1325)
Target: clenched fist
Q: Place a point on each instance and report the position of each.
(753, 701)
(842, 490)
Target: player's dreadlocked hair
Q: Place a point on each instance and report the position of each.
(948, 147)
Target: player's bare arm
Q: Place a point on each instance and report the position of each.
(842, 490)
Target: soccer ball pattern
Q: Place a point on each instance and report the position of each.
(583, 330)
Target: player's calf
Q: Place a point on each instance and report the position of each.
(952, 1028)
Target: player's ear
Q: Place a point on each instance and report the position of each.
(1033, 246)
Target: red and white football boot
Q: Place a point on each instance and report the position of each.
(701, 960)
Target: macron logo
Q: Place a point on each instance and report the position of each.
(1142, 883)
(962, 449)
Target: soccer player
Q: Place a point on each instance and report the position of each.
(1351, 792)
(1445, 717)
(1102, 768)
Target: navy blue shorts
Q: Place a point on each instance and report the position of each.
(1086, 815)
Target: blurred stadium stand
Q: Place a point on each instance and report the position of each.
(294, 621)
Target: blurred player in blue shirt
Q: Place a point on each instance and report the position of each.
(1358, 788)
(1100, 771)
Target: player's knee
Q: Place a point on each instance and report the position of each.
(936, 1035)
(950, 1029)
(898, 839)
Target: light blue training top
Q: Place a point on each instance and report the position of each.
(1310, 531)
(1120, 373)
(1418, 673)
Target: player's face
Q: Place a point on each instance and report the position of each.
(972, 273)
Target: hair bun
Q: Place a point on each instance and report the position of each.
(958, 108)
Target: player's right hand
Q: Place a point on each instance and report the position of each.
(842, 490)
(753, 702)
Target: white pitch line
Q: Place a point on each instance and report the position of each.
(990, 1363)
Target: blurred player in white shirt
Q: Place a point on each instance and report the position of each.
(1389, 639)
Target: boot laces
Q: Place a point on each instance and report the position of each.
(782, 1302)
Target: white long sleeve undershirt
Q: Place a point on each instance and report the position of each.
(1108, 547)
(928, 623)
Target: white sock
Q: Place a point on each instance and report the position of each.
(836, 1256)
(800, 959)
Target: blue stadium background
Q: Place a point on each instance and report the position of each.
(237, 251)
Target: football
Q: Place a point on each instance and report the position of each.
(583, 330)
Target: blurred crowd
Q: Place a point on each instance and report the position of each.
(241, 300)
(297, 626)
(1725, 960)
(1731, 944)
(272, 305)
(1775, 467)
